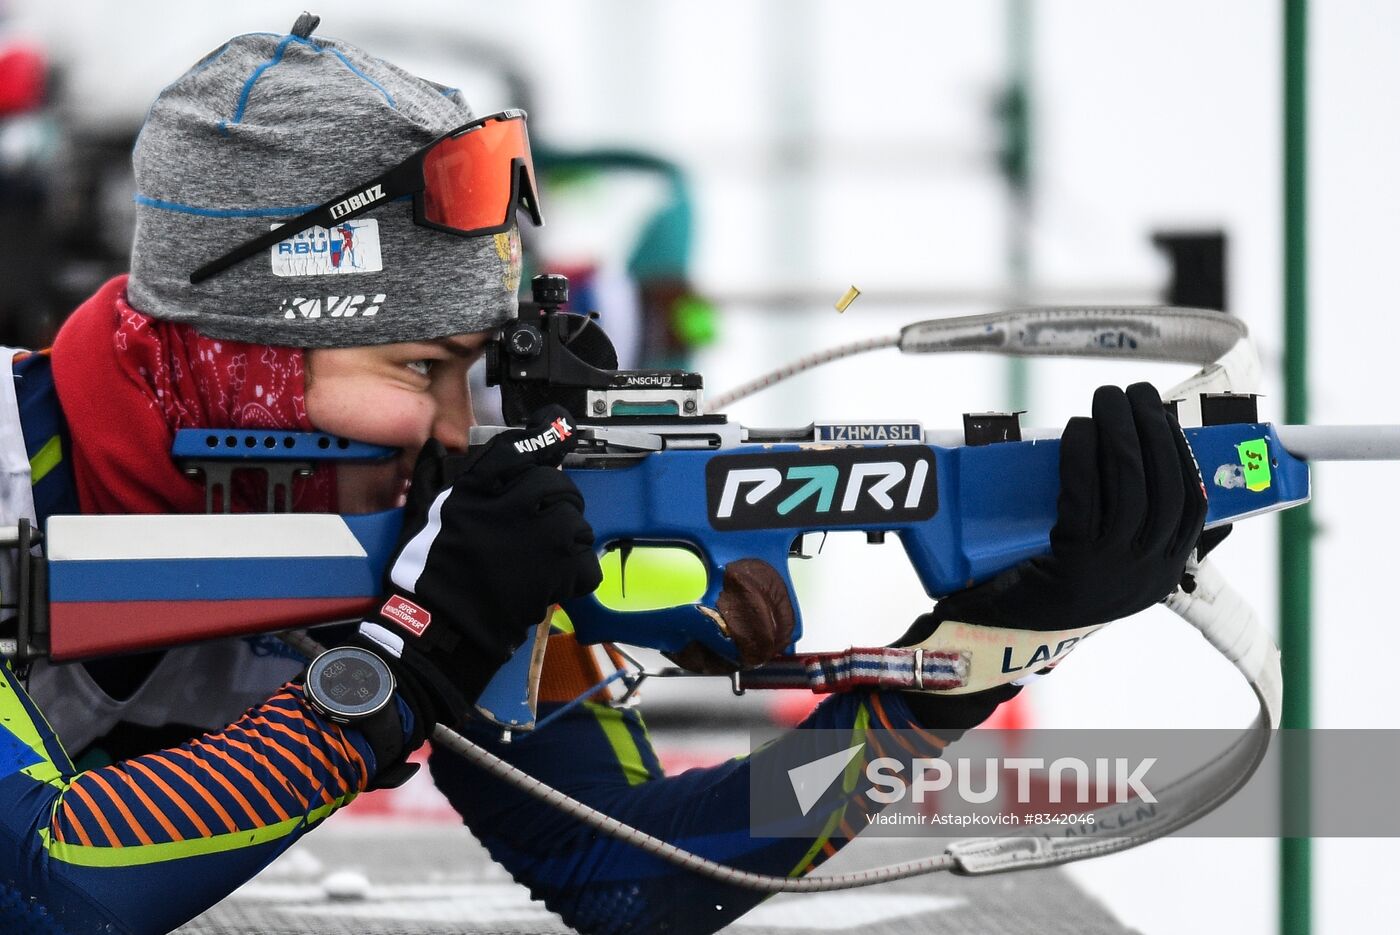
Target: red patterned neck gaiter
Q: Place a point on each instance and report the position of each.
(127, 382)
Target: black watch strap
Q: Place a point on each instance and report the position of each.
(383, 731)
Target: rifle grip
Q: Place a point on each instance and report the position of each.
(510, 698)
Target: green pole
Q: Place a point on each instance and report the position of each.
(1295, 531)
(1016, 169)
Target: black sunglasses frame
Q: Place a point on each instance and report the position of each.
(406, 178)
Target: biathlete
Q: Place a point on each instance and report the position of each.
(139, 791)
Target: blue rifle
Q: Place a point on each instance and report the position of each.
(656, 467)
(659, 468)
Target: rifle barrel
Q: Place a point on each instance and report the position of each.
(1342, 442)
(1309, 442)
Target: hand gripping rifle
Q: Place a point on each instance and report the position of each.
(658, 467)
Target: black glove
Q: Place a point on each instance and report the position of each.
(491, 540)
(1204, 546)
(1131, 508)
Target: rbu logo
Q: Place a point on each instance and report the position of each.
(822, 488)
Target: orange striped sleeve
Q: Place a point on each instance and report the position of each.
(335, 736)
(303, 740)
(70, 820)
(256, 783)
(333, 733)
(266, 793)
(927, 736)
(221, 779)
(96, 813)
(262, 760)
(875, 745)
(96, 777)
(171, 794)
(202, 792)
(157, 813)
(352, 756)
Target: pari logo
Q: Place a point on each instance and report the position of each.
(823, 488)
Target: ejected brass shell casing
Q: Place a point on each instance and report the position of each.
(845, 301)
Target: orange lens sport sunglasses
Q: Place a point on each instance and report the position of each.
(467, 182)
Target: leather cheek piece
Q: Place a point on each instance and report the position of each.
(756, 607)
(756, 610)
(757, 613)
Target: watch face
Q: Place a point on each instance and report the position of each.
(349, 683)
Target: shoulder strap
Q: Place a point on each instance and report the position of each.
(46, 440)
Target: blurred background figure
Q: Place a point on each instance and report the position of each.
(50, 224)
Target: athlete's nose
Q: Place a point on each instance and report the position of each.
(452, 422)
(452, 433)
(452, 407)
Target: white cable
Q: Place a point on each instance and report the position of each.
(1188, 335)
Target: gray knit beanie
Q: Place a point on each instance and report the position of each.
(266, 128)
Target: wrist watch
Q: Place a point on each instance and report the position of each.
(348, 684)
